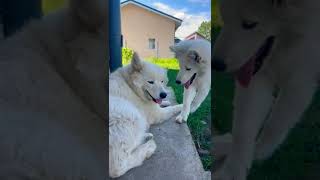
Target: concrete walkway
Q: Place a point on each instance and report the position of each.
(176, 157)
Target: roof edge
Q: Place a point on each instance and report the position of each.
(176, 20)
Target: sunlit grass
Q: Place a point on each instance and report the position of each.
(52, 5)
(168, 63)
(198, 121)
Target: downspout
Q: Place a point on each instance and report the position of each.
(115, 42)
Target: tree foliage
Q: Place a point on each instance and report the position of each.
(216, 19)
(205, 29)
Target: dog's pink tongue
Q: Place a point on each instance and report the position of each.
(244, 75)
(158, 101)
(187, 84)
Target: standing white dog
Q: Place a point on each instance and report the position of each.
(268, 44)
(135, 95)
(195, 74)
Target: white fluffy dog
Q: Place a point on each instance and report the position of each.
(195, 74)
(53, 99)
(269, 45)
(135, 94)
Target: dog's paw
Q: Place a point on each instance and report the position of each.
(151, 148)
(181, 118)
(148, 137)
(165, 104)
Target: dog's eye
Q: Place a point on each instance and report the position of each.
(249, 24)
(188, 69)
(162, 81)
(150, 82)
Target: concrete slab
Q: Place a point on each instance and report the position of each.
(176, 157)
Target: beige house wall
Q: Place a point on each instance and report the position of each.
(138, 25)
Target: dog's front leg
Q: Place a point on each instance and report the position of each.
(200, 96)
(252, 105)
(188, 96)
(290, 105)
(166, 113)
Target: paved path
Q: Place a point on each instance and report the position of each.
(176, 157)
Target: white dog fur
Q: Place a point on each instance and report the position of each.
(132, 110)
(52, 96)
(195, 61)
(292, 65)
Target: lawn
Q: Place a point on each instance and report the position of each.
(198, 122)
(51, 5)
(168, 63)
(297, 158)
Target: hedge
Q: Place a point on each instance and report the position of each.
(169, 63)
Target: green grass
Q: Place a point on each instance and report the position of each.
(168, 63)
(198, 122)
(51, 5)
(297, 158)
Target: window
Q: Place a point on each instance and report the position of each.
(152, 43)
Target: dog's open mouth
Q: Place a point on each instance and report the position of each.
(158, 101)
(190, 81)
(245, 73)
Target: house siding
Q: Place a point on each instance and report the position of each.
(139, 25)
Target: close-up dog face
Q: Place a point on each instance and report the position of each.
(194, 57)
(189, 67)
(149, 80)
(248, 36)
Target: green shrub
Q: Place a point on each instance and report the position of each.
(126, 55)
(52, 5)
(169, 63)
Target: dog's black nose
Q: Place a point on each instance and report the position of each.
(178, 81)
(218, 64)
(163, 95)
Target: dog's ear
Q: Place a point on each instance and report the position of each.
(178, 49)
(136, 62)
(89, 14)
(194, 55)
(175, 49)
(286, 10)
(172, 48)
